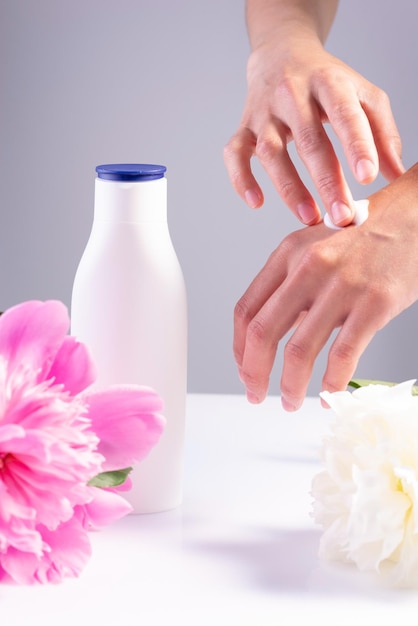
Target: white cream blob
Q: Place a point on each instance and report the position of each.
(362, 213)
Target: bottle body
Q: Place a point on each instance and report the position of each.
(129, 306)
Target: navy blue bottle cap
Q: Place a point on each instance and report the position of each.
(130, 171)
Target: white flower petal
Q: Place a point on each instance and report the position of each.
(366, 499)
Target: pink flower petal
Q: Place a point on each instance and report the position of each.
(31, 334)
(17, 566)
(38, 473)
(127, 421)
(55, 435)
(105, 508)
(17, 525)
(8, 432)
(73, 366)
(69, 550)
(66, 552)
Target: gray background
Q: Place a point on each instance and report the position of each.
(94, 81)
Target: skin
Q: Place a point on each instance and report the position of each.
(318, 280)
(294, 88)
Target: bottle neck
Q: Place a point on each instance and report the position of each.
(119, 201)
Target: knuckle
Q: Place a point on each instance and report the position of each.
(286, 87)
(232, 154)
(378, 295)
(257, 332)
(332, 385)
(381, 299)
(242, 313)
(325, 76)
(250, 380)
(296, 352)
(290, 392)
(357, 148)
(309, 140)
(233, 146)
(381, 97)
(287, 189)
(318, 260)
(344, 112)
(343, 353)
(278, 258)
(238, 355)
(394, 140)
(241, 142)
(325, 183)
(288, 244)
(267, 149)
(228, 152)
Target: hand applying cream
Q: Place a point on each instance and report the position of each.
(362, 213)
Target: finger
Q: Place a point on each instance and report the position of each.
(237, 156)
(317, 153)
(386, 136)
(352, 127)
(351, 341)
(271, 150)
(260, 290)
(263, 333)
(305, 344)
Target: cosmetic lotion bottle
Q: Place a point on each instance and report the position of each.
(129, 307)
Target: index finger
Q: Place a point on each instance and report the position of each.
(256, 295)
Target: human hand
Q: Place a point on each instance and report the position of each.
(291, 94)
(356, 279)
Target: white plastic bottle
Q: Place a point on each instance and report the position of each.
(129, 306)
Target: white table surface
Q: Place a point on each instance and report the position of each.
(242, 548)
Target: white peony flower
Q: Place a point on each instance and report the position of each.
(366, 499)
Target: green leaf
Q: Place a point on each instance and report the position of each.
(363, 382)
(110, 479)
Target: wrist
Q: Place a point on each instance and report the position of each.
(284, 35)
(287, 20)
(280, 48)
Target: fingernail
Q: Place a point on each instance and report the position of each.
(289, 406)
(365, 170)
(252, 397)
(340, 212)
(252, 198)
(324, 404)
(307, 213)
(398, 159)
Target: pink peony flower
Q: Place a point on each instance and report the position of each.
(56, 435)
